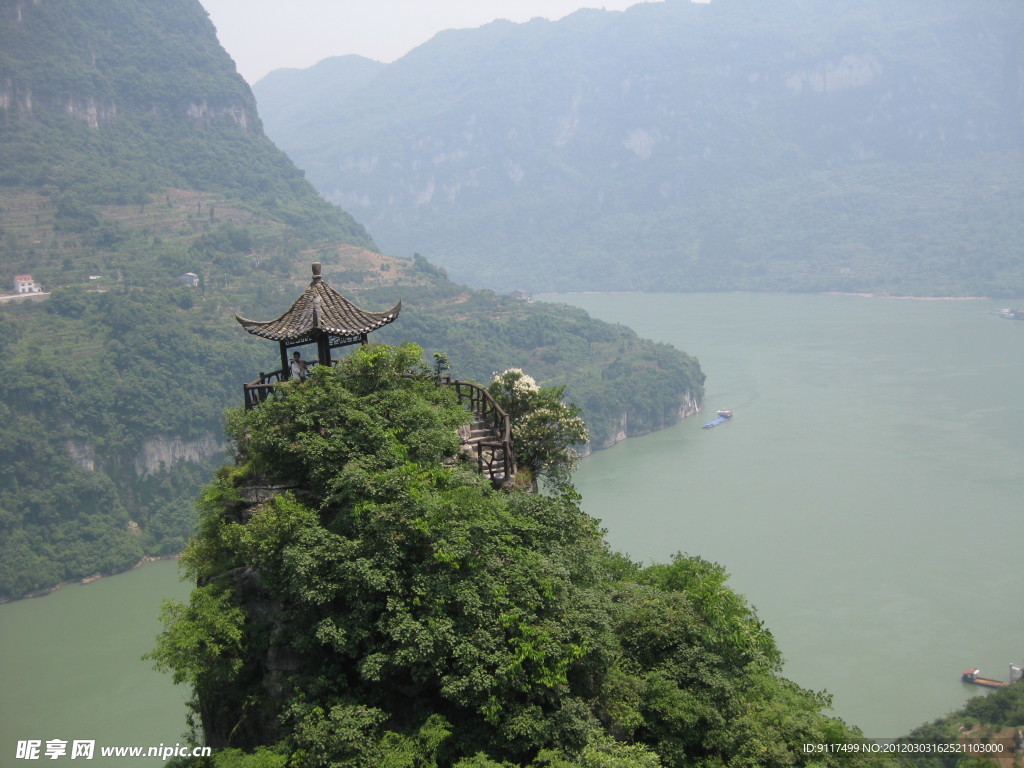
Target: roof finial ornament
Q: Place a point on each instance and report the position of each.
(317, 277)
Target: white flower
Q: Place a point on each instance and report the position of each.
(516, 380)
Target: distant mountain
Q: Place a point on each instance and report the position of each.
(131, 154)
(329, 84)
(792, 145)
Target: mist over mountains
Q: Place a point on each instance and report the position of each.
(797, 145)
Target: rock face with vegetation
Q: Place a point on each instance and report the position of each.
(797, 145)
(113, 102)
(993, 720)
(131, 154)
(386, 606)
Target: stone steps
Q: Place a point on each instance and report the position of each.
(492, 459)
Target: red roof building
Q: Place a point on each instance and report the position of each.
(25, 284)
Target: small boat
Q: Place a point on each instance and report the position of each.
(723, 416)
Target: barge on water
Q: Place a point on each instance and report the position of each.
(723, 416)
(973, 676)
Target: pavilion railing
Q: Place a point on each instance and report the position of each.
(256, 392)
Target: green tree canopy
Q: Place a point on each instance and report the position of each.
(364, 598)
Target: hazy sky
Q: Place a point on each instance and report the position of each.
(263, 35)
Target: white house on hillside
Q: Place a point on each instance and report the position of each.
(25, 284)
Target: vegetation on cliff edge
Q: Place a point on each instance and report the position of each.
(385, 606)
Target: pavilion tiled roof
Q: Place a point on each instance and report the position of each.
(320, 309)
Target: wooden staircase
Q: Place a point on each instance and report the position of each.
(479, 440)
(489, 436)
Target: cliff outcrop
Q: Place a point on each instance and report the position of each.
(164, 451)
(638, 423)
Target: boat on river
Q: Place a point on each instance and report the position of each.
(974, 676)
(723, 416)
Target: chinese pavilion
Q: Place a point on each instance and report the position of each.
(320, 316)
(324, 317)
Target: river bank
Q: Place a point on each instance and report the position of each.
(87, 579)
(908, 298)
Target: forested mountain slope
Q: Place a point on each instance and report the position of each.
(131, 153)
(792, 145)
(113, 101)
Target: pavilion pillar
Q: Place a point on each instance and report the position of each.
(323, 348)
(285, 365)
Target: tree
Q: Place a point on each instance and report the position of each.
(545, 429)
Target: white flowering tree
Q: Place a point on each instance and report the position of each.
(545, 429)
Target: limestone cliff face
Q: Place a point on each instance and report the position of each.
(850, 71)
(15, 102)
(20, 104)
(83, 453)
(164, 451)
(160, 452)
(634, 423)
(203, 113)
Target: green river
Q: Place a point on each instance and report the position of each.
(72, 669)
(866, 498)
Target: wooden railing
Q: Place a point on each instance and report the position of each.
(495, 458)
(256, 392)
